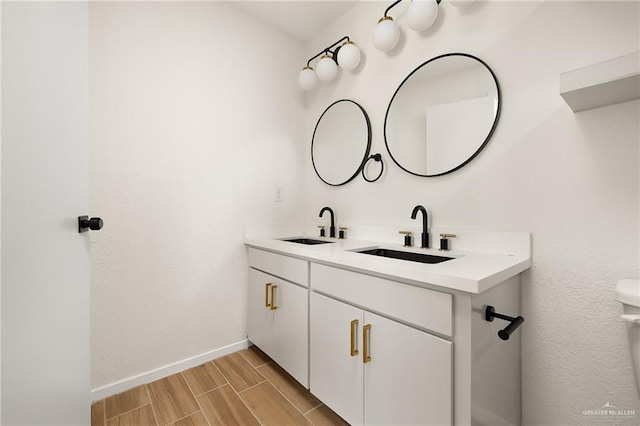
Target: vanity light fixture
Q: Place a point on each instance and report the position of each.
(420, 16)
(345, 55)
(327, 68)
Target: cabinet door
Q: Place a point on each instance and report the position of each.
(408, 380)
(291, 330)
(336, 375)
(260, 317)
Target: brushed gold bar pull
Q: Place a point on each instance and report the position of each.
(366, 331)
(266, 295)
(273, 297)
(354, 344)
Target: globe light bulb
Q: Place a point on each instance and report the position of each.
(386, 34)
(326, 68)
(348, 56)
(307, 78)
(422, 14)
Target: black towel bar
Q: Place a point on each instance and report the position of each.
(490, 314)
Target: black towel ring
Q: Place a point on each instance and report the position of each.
(376, 158)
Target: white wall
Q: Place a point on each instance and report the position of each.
(570, 179)
(195, 119)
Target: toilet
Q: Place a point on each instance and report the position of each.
(628, 293)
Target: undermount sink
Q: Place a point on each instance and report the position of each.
(406, 255)
(307, 241)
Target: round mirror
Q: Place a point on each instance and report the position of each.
(341, 142)
(442, 115)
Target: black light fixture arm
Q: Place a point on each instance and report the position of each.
(391, 7)
(514, 322)
(328, 50)
(398, 1)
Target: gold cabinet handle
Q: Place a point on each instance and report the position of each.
(354, 344)
(366, 331)
(273, 297)
(266, 295)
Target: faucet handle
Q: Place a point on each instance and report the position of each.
(321, 227)
(341, 234)
(444, 241)
(407, 238)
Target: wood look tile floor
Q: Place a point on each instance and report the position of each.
(243, 388)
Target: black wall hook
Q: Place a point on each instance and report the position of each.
(85, 224)
(490, 314)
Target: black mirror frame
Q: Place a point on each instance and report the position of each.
(366, 154)
(493, 128)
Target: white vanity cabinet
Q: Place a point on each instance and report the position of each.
(336, 371)
(435, 358)
(278, 316)
(375, 370)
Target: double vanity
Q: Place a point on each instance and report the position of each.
(386, 334)
(390, 334)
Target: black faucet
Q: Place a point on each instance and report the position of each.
(332, 229)
(425, 225)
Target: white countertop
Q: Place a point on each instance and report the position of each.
(470, 271)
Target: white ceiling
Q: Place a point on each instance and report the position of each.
(301, 19)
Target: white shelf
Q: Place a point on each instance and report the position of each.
(607, 83)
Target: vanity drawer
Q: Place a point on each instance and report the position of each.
(429, 309)
(289, 268)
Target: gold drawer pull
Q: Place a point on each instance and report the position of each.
(366, 331)
(354, 345)
(273, 297)
(266, 295)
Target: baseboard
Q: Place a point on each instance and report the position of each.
(167, 370)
